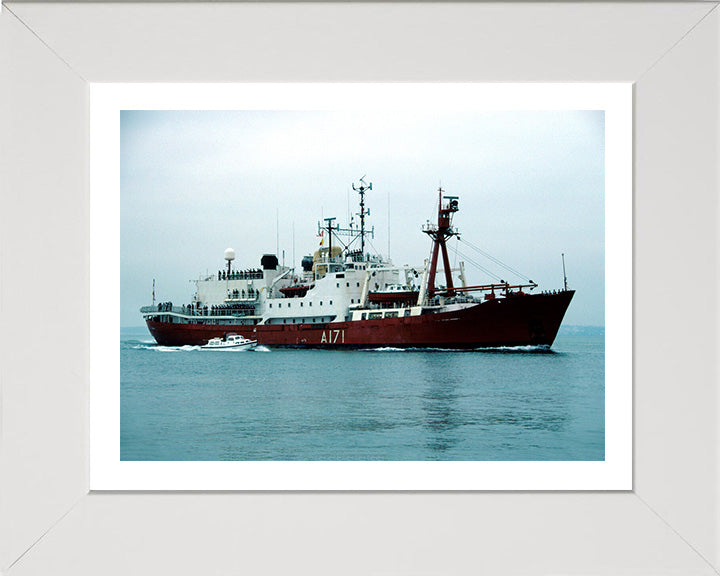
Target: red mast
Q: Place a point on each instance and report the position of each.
(439, 234)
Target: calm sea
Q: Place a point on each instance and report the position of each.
(386, 404)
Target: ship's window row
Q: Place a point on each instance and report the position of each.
(289, 304)
(301, 321)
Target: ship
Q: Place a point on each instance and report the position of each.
(345, 297)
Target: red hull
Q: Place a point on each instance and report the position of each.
(516, 321)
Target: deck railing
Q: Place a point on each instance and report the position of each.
(196, 312)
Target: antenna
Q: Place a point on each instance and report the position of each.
(361, 189)
(388, 223)
(564, 275)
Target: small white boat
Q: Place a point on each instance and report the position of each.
(232, 341)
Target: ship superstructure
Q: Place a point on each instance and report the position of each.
(345, 297)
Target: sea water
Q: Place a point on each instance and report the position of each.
(524, 403)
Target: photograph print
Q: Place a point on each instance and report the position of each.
(362, 285)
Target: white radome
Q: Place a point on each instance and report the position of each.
(229, 254)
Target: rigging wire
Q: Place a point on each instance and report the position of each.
(479, 266)
(495, 260)
(377, 252)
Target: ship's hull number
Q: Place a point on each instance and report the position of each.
(333, 337)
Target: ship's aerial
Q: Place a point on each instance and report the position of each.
(344, 297)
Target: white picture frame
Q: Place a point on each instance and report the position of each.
(667, 524)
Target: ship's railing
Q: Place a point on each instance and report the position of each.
(196, 311)
(162, 307)
(504, 287)
(255, 274)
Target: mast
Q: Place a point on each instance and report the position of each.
(564, 275)
(329, 229)
(351, 232)
(439, 234)
(361, 189)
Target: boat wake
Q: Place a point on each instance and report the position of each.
(529, 349)
(536, 349)
(159, 348)
(413, 349)
(539, 349)
(187, 348)
(385, 349)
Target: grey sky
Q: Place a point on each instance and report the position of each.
(531, 186)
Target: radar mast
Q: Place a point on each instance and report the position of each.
(362, 188)
(439, 233)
